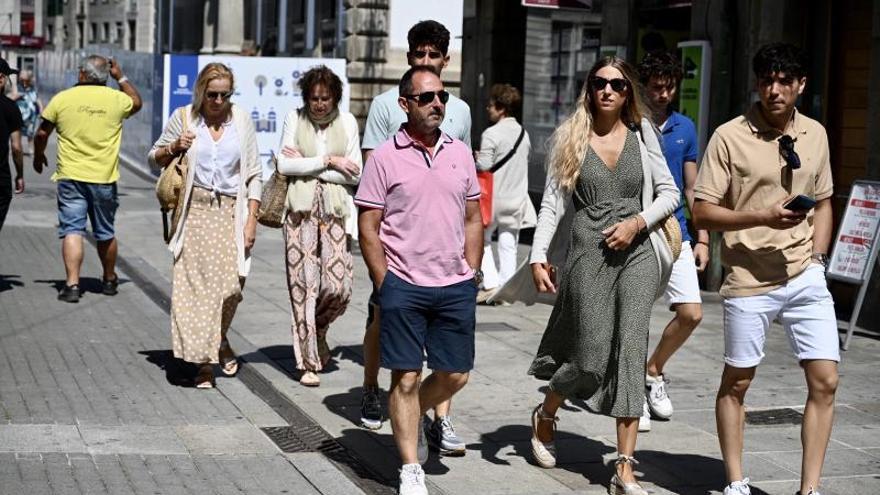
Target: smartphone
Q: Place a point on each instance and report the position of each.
(800, 203)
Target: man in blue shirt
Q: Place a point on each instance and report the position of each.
(660, 74)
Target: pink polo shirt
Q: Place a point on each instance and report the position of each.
(423, 202)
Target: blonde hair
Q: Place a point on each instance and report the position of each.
(570, 141)
(210, 72)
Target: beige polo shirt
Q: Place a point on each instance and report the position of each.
(743, 170)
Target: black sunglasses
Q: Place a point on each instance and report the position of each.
(617, 84)
(213, 95)
(431, 54)
(428, 97)
(786, 149)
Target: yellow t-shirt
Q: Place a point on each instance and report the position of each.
(88, 119)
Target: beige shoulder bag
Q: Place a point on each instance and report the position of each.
(170, 188)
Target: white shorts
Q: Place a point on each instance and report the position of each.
(804, 308)
(683, 285)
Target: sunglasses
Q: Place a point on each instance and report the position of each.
(213, 95)
(428, 97)
(786, 149)
(617, 84)
(422, 53)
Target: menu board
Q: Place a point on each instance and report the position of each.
(855, 244)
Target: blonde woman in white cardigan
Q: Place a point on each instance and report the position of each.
(320, 152)
(607, 159)
(217, 226)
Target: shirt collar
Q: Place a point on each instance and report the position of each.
(672, 120)
(758, 125)
(403, 140)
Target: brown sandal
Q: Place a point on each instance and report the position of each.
(228, 362)
(205, 377)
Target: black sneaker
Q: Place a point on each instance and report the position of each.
(70, 293)
(371, 409)
(110, 287)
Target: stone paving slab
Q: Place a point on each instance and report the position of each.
(91, 400)
(680, 456)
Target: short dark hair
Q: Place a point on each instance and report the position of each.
(428, 33)
(661, 64)
(321, 75)
(779, 57)
(406, 86)
(505, 97)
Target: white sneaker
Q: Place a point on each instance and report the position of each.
(658, 400)
(645, 419)
(412, 480)
(738, 488)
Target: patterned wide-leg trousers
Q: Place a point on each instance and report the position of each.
(319, 278)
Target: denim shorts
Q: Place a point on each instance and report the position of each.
(437, 321)
(78, 200)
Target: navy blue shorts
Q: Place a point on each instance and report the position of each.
(437, 321)
(78, 201)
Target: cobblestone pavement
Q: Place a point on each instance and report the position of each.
(86, 405)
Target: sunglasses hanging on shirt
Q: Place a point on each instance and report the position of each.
(786, 149)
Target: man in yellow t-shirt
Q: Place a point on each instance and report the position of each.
(89, 119)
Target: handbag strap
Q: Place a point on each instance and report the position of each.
(510, 154)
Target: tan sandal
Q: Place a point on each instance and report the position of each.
(205, 377)
(228, 361)
(310, 379)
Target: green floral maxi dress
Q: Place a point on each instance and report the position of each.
(596, 341)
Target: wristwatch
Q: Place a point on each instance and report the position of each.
(478, 276)
(820, 258)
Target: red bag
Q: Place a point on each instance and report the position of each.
(485, 180)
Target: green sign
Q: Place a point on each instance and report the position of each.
(689, 95)
(693, 99)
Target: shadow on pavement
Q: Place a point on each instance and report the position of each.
(177, 372)
(8, 282)
(282, 359)
(86, 284)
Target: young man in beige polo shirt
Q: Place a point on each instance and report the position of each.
(775, 257)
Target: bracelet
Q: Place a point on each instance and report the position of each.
(703, 243)
(121, 80)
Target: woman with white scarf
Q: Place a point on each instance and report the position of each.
(320, 152)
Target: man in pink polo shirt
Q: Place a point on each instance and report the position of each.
(421, 237)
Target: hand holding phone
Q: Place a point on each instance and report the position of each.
(800, 203)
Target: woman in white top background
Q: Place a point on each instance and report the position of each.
(512, 210)
(320, 152)
(217, 227)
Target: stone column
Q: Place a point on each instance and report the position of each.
(230, 26)
(209, 27)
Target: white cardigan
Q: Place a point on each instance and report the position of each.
(251, 183)
(511, 206)
(660, 198)
(313, 166)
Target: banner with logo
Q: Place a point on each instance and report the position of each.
(267, 87)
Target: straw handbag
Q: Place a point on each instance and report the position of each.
(170, 188)
(672, 235)
(272, 202)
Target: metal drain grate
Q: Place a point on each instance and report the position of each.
(286, 439)
(767, 417)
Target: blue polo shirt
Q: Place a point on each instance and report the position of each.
(679, 145)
